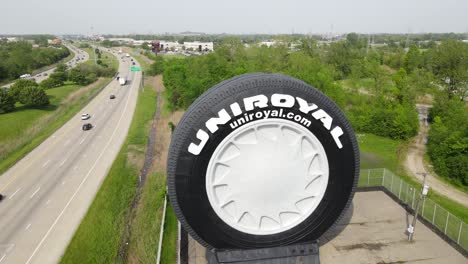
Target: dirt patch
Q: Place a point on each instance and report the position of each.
(135, 156)
(416, 166)
(163, 129)
(366, 246)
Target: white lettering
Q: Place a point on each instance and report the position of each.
(203, 136)
(336, 133)
(305, 107)
(282, 100)
(324, 117)
(236, 110)
(260, 101)
(223, 118)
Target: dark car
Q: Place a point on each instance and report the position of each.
(133, 63)
(1, 197)
(87, 126)
(112, 96)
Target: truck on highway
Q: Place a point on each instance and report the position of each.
(26, 76)
(122, 81)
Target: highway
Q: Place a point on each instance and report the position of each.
(49, 191)
(80, 56)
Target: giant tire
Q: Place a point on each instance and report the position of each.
(190, 192)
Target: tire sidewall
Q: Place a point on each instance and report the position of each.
(187, 172)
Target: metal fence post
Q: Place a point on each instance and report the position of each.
(368, 177)
(446, 222)
(424, 203)
(399, 192)
(383, 177)
(391, 185)
(414, 193)
(459, 232)
(433, 217)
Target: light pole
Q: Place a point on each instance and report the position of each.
(94, 45)
(422, 195)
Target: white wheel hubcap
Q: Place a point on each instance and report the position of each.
(267, 177)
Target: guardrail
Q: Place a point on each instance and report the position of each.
(442, 220)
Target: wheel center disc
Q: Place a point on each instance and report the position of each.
(267, 176)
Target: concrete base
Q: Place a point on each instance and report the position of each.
(300, 253)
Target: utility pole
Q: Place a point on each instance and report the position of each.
(422, 195)
(94, 45)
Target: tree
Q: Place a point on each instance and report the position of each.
(33, 96)
(18, 86)
(413, 59)
(76, 76)
(51, 83)
(7, 103)
(450, 65)
(404, 93)
(61, 67)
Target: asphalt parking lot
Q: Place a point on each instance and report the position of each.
(373, 231)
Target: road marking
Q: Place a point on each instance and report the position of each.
(63, 162)
(4, 255)
(45, 164)
(28, 226)
(14, 194)
(82, 182)
(81, 142)
(35, 193)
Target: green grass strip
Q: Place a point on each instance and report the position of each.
(98, 236)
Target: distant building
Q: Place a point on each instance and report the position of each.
(170, 45)
(54, 41)
(199, 46)
(122, 40)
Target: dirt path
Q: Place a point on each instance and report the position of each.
(414, 162)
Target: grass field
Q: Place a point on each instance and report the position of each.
(146, 225)
(98, 236)
(106, 58)
(169, 248)
(25, 128)
(379, 152)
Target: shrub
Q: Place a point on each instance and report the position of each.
(7, 103)
(18, 86)
(33, 96)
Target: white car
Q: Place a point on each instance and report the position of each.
(85, 116)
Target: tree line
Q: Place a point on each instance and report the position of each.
(31, 94)
(17, 58)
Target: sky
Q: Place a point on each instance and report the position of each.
(235, 17)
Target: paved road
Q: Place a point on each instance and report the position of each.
(49, 191)
(415, 161)
(80, 57)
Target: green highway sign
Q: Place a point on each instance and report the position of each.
(135, 69)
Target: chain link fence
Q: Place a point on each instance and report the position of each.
(453, 227)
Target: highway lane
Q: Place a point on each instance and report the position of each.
(49, 191)
(80, 56)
